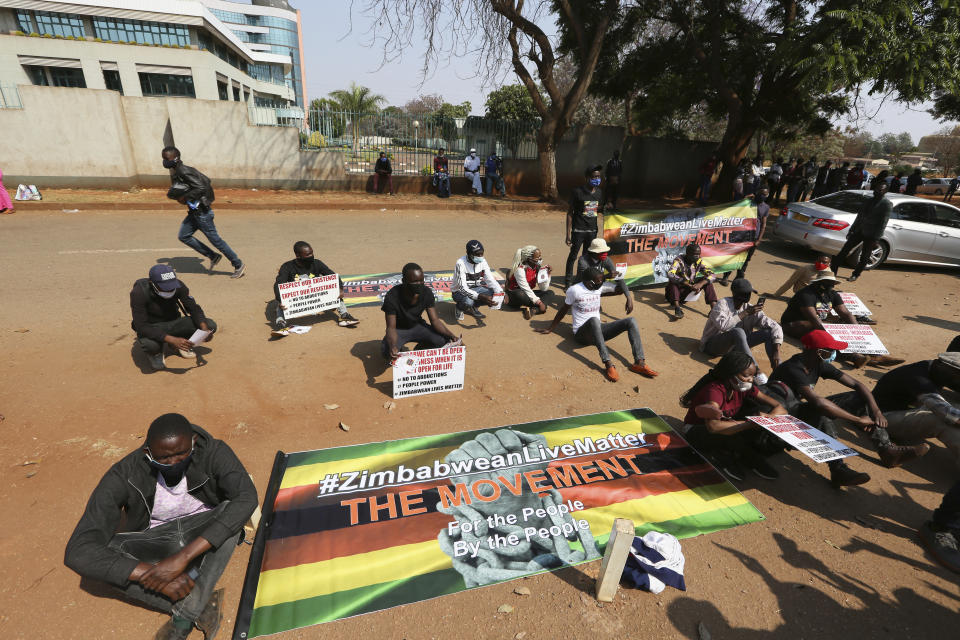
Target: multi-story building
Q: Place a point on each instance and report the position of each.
(206, 49)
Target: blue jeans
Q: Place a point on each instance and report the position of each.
(705, 184)
(162, 541)
(442, 183)
(495, 180)
(736, 339)
(463, 300)
(204, 223)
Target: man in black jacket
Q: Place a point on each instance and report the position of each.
(190, 187)
(303, 266)
(156, 303)
(382, 170)
(163, 522)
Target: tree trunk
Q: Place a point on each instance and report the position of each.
(733, 147)
(547, 152)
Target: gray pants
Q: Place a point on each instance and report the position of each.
(916, 425)
(424, 336)
(597, 333)
(182, 327)
(163, 541)
(737, 339)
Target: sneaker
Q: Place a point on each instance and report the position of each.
(239, 271)
(527, 313)
(156, 361)
(895, 455)
(212, 615)
(187, 353)
(457, 314)
(214, 260)
(865, 320)
(677, 313)
(475, 313)
(643, 370)
(852, 278)
(280, 323)
(843, 476)
(169, 631)
(762, 468)
(611, 373)
(942, 544)
(347, 320)
(728, 466)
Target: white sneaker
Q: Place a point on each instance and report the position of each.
(760, 378)
(457, 314)
(187, 353)
(239, 271)
(156, 361)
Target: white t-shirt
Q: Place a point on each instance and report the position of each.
(171, 503)
(584, 304)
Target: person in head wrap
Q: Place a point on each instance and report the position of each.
(528, 272)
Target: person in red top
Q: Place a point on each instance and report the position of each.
(715, 423)
(441, 175)
(524, 277)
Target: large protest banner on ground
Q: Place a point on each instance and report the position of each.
(648, 241)
(356, 529)
(369, 289)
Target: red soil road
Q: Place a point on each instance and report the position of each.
(825, 564)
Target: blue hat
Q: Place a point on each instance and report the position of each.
(164, 277)
(474, 246)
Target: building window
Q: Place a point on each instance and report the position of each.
(116, 30)
(59, 24)
(24, 23)
(56, 76)
(112, 80)
(236, 94)
(222, 90)
(162, 84)
(217, 48)
(38, 75)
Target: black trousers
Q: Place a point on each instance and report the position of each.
(578, 240)
(855, 238)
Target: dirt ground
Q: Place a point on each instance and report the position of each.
(77, 395)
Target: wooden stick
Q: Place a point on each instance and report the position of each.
(614, 559)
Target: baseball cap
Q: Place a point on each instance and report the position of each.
(598, 245)
(741, 286)
(164, 277)
(820, 339)
(474, 246)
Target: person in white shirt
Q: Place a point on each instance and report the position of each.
(471, 169)
(528, 272)
(583, 299)
(473, 282)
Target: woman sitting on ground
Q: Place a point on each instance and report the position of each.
(715, 422)
(523, 277)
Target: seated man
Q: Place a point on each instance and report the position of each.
(494, 171)
(584, 299)
(717, 407)
(941, 534)
(156, 302)
(801, 373)
(382, 170)
(473, 282)
(736, 324)
(163, 522)
(441, 175)
(471, 170)
(688, 274)
(912, 402)
(305, 266)
(403, 308)
(597, 257)
(524, 276)
(804, 275)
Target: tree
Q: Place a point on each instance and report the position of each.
(510, 102)
(945, 144)
(358, 101)
(783, 67)
(424, 104)
(477, 29)
(896, 144)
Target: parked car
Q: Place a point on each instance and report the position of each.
(920, 231)
(934, 186)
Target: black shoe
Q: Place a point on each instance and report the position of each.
(677, 313)
(942, 543)
(843, 476)
(347, 320)
(214, 260)
(728, 466)
(762, 468)
(170, 632)
(211, 616)
(865, 320)
(894, 455)
(475, 313)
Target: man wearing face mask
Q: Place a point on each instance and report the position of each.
(598, 257)
(192, 188)
(584, 218)
(800, 375)
(403, 308)
(584, 299)
(471, 170)
(736, 325)
(163, 522)
(689, 274)
(867, 228)
(156, 303)
(305, 266)
(473, 282)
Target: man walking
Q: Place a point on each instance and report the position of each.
(584, 218)
(867, 228)
(162, 524)
(614, 170)
(951, 189)
(190, 187)
(382, 169)
(471, 170)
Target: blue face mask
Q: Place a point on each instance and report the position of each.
(476, 259)
(595, 182)
(833, 356)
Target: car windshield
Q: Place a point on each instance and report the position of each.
(846, 201)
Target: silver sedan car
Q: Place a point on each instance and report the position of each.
(919, 231)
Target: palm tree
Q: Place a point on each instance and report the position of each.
(358, 101)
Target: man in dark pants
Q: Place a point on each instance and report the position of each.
(441, 174)
(304, 266)
(914, 181)
(941, 534)
(688, 274)
(867, 228)
(838, 178)
(192, 188)
(382, 170)
(823, 174)
(613, 173)
(163, 522)
(403, 308)
(156, 303)
(584, 218)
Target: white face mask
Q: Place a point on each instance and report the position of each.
(742, 385)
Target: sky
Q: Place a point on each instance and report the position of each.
(336, 55)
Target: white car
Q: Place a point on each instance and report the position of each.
(920, 231)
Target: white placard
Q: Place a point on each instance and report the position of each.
(810, 441)
(497, 301)
(543, 276)
(199, 336)
(309, 296)
(693, 296)
(621, 270)
(860, 338)
(854, 305)
(416, 373)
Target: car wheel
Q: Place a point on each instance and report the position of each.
(938, 192)
(878, 255)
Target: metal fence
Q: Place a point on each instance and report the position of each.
(409, 141)
(10, 97)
